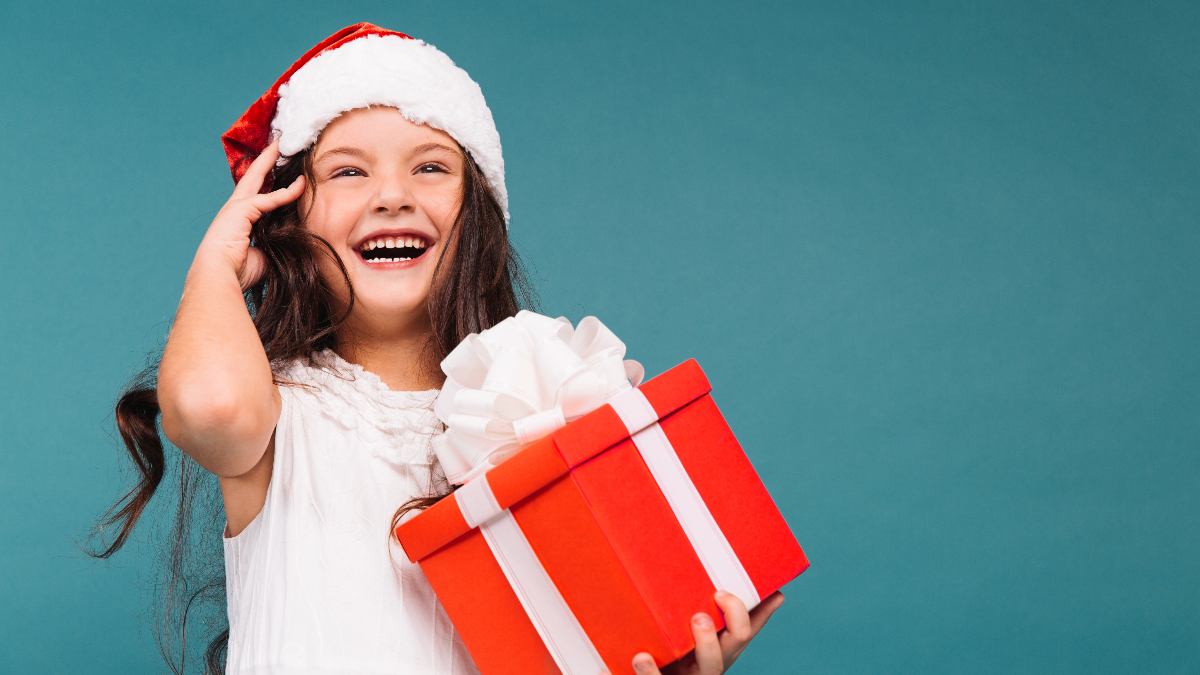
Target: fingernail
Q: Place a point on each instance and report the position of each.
(723, 594)
(643, 664)
(702, 621)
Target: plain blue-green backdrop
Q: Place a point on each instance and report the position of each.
(939, 259)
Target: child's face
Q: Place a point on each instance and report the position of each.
(380, 179)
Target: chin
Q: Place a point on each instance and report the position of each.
(392, 308)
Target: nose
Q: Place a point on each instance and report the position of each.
(392, 196)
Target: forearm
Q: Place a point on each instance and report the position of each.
(215, 387)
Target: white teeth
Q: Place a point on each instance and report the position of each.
(393, 242)
(387, 260)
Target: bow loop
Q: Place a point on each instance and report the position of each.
(634, 372)
(581, 394)
(520, 380)
(535, 426)
(490, 404)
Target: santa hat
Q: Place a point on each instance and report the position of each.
(364, 65)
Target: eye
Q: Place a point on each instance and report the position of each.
(347, 171)
(431, 167)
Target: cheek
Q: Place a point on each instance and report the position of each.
(332, 222)
(330, 219)
(448, 205)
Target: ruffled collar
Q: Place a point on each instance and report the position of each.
(397, 426)
(369, 384)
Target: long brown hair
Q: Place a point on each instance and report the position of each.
(478, 281)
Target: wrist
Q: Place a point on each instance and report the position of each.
(213, 263)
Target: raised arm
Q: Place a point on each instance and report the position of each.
(219, 403)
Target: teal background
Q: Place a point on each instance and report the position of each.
(939, 260)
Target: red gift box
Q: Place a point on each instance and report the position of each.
(600, 529)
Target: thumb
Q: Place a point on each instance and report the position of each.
(252, 272)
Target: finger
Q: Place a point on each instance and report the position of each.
(737, 619)
(276, 199)
(253, 269)
(737, 631)
(240, 214)
(252, 180)
(760, 614)
(643, 664)
(709, 658)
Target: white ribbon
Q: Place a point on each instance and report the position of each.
(520, 380)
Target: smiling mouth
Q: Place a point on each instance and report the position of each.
(392, 249)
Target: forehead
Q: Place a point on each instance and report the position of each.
(381, 129)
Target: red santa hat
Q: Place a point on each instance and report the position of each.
(360, 66)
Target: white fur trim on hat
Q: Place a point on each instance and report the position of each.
(409, 75)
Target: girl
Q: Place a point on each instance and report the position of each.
(302, 365)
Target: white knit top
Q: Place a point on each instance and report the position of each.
(315, 583)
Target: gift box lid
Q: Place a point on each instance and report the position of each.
(550, 458)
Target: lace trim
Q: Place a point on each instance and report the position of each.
(397, 426)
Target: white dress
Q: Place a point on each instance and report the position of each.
(316, 585)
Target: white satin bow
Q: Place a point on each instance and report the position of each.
(520, 380)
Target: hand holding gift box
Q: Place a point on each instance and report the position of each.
(595, 518)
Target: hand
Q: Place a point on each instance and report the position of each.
(229, 234)
(715, 653)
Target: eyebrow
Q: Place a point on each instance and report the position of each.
(364, 155)
(346, 150)
(433, 146)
